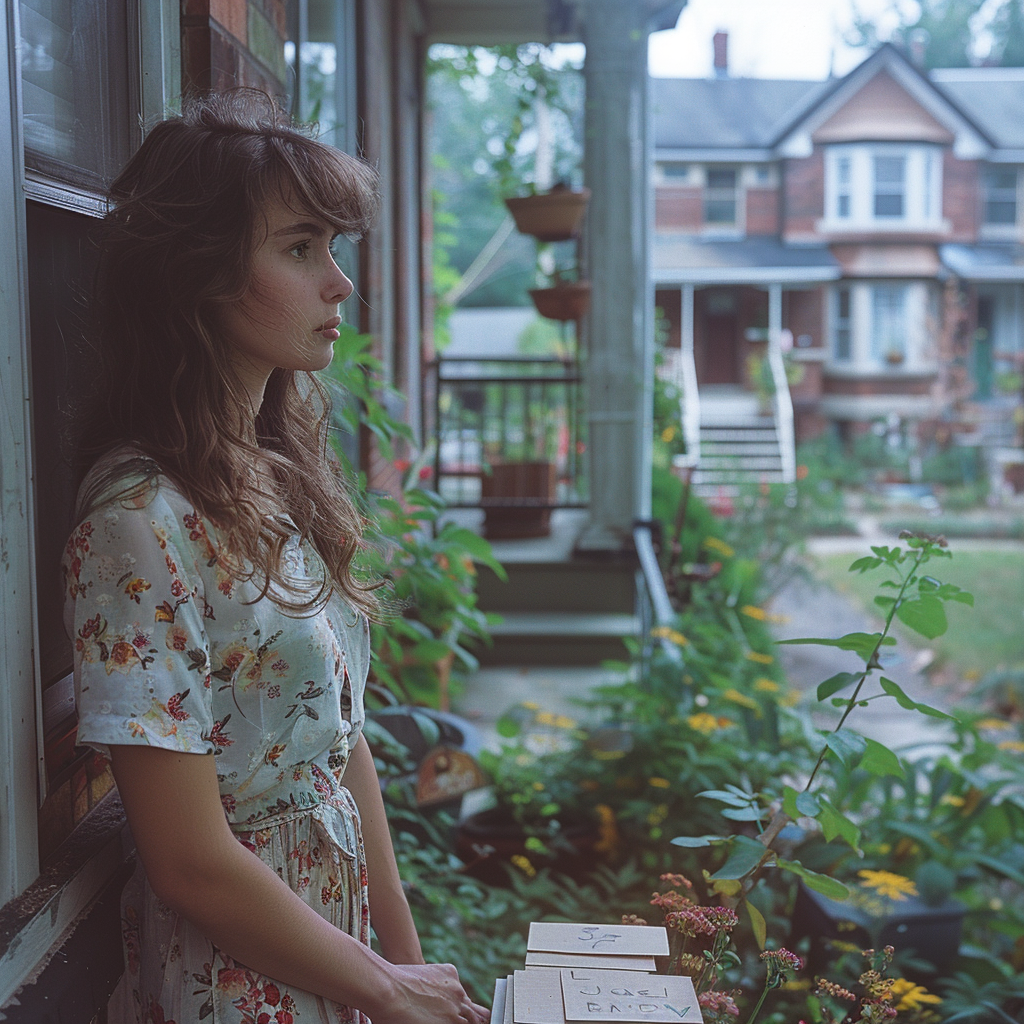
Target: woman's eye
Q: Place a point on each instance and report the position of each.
(300, 251)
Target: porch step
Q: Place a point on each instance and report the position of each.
(559, 638)
(739, 463)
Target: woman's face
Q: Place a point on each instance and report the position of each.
(288, 317)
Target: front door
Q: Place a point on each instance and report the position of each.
(720, 362)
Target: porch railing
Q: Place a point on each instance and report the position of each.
(783, 414)
(524, 415)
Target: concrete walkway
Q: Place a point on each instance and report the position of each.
(810, 609)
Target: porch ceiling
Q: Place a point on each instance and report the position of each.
(682, 259)
(492, 22)
(985, 262)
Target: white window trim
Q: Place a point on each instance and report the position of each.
(20, 711)
(738, 228)
(922, 212)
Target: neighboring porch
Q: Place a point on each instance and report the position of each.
(745, 323)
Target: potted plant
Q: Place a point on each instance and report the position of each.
(565, 298)
(554, 216)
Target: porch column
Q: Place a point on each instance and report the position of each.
(774, 314)
(619, 329)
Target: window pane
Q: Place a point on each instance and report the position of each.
(889, 170)
(888, 333)
(1001, 211)
(720, 211)
(1001, 177)
(843, 206)
(888, 205)
(75, 93)
(674, 170)
(843, 170)
(843, 334)
(721, 177)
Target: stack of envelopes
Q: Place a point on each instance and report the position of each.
(594, 973)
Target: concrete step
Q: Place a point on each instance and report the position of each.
(732, 434)
(552, 638)
(569, 586)
(739, 463)
(736, 448)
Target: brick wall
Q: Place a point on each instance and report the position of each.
(960, 196)
(804, 184)
(916, 384)
(231, 43)
(762, 211)
(678, 208)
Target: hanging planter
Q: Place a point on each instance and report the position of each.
(568, 300)
(554, 216)
(517, 497)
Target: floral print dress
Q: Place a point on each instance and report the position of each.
(170, 652)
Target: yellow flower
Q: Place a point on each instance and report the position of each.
(714, 544)
(607, 830)
(564, 722)
(972, 675)
(545, 718)
(952, 800)
(886, 883)
(523, 863)
(658, 782)
(668, 434)
(753, 612)
(765, 685)
(668, 633)
(539, 786)
(1017, 746)
(761, 659)
(791, 698)
(908, 996)
(742, 699)
(530, 705)
(703, 722)
(993, 723)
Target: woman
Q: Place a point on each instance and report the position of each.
(221, 639)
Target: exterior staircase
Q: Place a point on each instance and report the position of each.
(558, 608)
(739, 445)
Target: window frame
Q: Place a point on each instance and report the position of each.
(842, 325)
(722, 194)
(994, 228)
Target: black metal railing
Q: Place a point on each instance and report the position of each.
(510, 433)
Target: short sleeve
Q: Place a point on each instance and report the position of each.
(134, 608)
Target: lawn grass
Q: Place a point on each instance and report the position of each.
(989, 636)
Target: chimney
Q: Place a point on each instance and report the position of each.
(917, 41)
(721, 44)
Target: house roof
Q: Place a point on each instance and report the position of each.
(984, 262)
(762, 118)
(992, 97)
(758, 259)
(738, 113)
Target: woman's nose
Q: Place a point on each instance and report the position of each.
(338, 287)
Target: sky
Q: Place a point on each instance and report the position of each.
(767, 38)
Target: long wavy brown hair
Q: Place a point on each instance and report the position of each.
(186, 217)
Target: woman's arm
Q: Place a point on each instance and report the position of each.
(197, 867)
(389, 911)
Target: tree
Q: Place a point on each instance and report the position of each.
(949, 31)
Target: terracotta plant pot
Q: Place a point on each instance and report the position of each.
(486, 842)
(521, 493)
(568, 301)
(554, 216)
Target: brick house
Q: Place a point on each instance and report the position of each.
(870, 225)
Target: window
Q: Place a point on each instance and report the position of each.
(889, 323)
(720, 196)
(842, 338)
(843, 179)
(890, 186)
(999, 186)
(76, 95)
(671, 170)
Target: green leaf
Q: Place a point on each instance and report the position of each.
(696, 842)
(1000, 867)
(861, 643)
(741, 814)
(964, 597)
(836, 683)
(880, 760)
(834, 823)
(894, 690)
(732, 799)
(819, 883)
(924, 615)
(865, 563)
(884, 601)
(808, 805)
(759, 925)
(846, 745)
(745, 855)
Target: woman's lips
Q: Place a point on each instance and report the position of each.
(329, 329)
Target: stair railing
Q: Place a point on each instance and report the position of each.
(783, 408)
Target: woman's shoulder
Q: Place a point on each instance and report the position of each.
(128, 478)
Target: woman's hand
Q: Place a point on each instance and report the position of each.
(429, 994)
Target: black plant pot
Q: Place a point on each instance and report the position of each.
(930, 933)
(487, 841)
